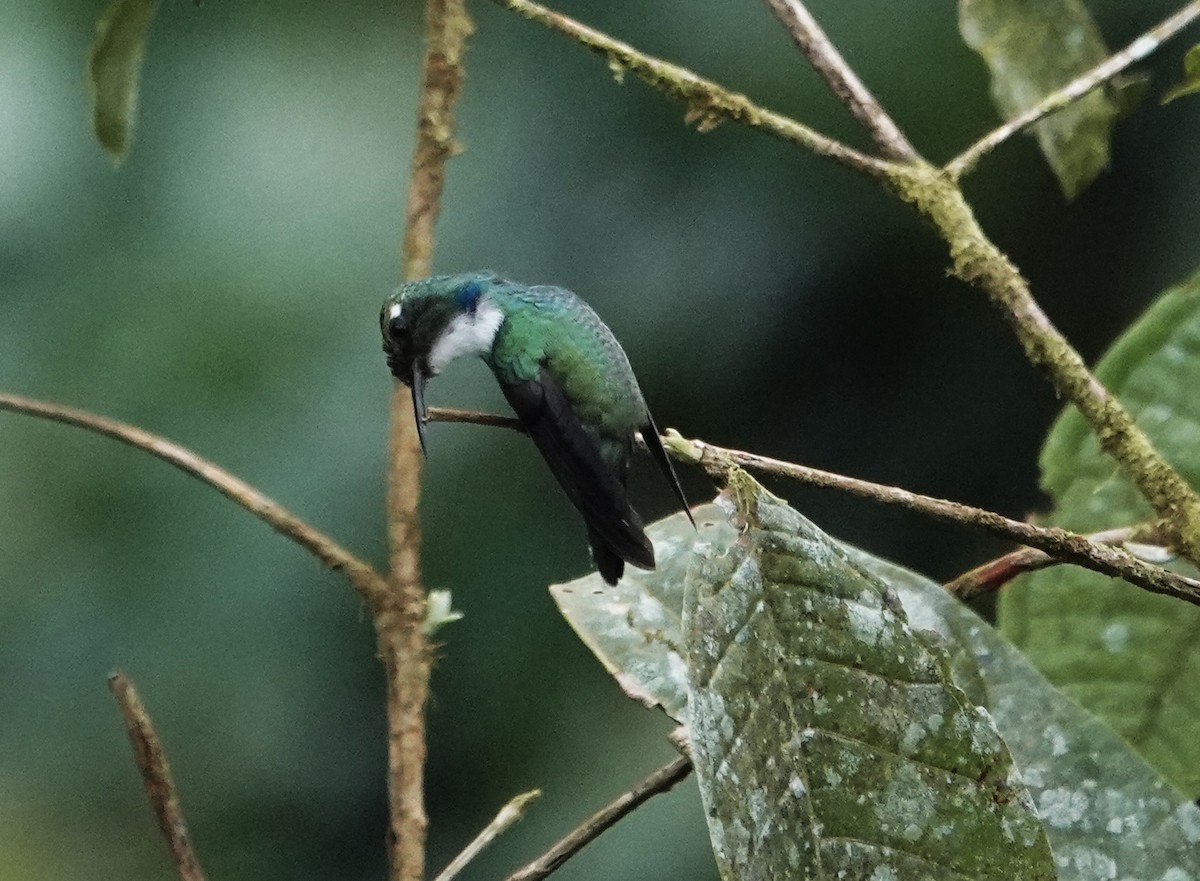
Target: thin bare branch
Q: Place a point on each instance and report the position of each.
(660, 781)
(994, 574)
(509, 814)
(708, 104)
(1060, 544)
(845, 84)
(362, 577)
(398, 617)
(156, 775)
(1140, 48)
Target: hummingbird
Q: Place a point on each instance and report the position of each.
(566, 377)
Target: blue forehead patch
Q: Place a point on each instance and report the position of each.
(468, 295)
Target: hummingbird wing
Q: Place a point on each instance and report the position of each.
(658, 454)
(596, 491)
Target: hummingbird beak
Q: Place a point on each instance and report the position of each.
(420, 413)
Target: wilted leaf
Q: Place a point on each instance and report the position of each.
(1106, 812)
(1129, 656)
(114, 67)
(1190, 84)
(634, 627)
(1032, 48)
(828, 738)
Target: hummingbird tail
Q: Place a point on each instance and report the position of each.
(611, 566)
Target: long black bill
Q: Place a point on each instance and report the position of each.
(419, 412)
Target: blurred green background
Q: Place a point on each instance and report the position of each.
(222, 288)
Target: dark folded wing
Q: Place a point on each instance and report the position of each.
(572, 455)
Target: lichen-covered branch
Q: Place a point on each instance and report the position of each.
(708, 104)
(152, 764)
(398, 617)
(842, 80)
(361, 576)
(976, 260)
(1074, 90)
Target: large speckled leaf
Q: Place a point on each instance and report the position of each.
(828, 738)
(114, 68)
(1107, 813)
(634, 627)
(1033, 47)
(1131, 657)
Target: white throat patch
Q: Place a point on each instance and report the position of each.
(470, 333)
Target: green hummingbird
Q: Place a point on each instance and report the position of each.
(565, 376)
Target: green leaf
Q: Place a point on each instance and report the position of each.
(114, 67)
(1131, 657)
(1032, 48)
(1107, 813)
(1190, 84)
(828, 738)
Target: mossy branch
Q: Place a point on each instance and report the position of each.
(975, 259)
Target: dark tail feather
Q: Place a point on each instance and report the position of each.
(611, 564)
(654, 445)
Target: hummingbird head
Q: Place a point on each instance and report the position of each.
(426, 324)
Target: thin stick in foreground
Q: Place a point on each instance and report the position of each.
(845, 84)
(363, 577)
(1060, 544)
(156, 775)
(660, 781)
(509, 814)
(1139, 49)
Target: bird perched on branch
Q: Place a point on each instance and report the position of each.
(566, 377)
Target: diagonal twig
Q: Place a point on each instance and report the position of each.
(508, 815)
(1074, 90)
(708, 103)
(1058, 543)
(156, 775)
(660, 781)
(362, 577)
(845, 84)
